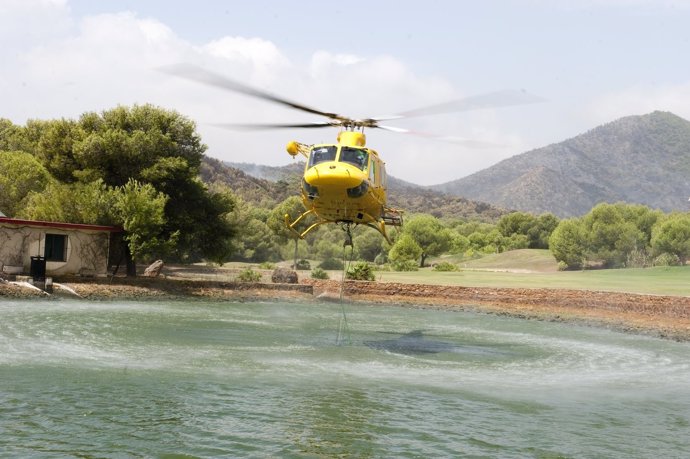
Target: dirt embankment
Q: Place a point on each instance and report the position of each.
(666, 316)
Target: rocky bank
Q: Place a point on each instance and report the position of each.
(664, 316)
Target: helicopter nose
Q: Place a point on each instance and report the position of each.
(333, 175)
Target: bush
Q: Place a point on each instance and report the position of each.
(303, 265)
(445, 266)
(360, 271)
(637, 259)
(667, 259)
(405, 265)
(331, 263)
(249, 275)
(267, 265)
(318, 273)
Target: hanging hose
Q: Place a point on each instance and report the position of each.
(343, 328)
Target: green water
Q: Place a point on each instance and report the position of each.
(202, 379)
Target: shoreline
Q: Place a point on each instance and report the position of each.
(652, 315)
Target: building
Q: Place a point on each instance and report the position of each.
(68, 248)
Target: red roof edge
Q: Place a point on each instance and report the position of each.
(67, 226)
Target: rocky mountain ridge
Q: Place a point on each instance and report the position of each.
(637, 159)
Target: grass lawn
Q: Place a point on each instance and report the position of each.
(516, 269)
(538, 269)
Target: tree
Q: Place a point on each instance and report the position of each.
(21, 175)
(429, 234)
(516, 223)
(404, 249)
(151, 146)
(459, 243)
(254, 240)
(672, 235)
(53, 143)
(536, 229)
(89, 203)
(368, 244)
(12, 137)
(612, 234)
(141, 211)
(568, 243)
(539, 235)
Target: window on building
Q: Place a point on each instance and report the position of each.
(56, 247)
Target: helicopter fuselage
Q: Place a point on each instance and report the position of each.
(345, 183)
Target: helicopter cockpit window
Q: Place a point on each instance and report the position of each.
(321, 154)
(355, 156)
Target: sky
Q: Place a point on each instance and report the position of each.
(590, 61)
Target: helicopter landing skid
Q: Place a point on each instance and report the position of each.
(291, 226)
(394, 219)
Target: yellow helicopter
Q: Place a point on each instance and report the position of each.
(345, 182)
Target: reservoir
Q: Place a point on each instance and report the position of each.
(178, 379)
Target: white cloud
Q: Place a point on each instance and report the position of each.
(638, 100)
(26, 23)
(98, 62)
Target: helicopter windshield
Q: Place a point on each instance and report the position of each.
(321, 154)
(355, 156)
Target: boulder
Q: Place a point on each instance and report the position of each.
(284, 276)
(154, 269)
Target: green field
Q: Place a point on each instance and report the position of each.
(536, 269)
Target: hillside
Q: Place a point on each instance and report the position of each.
(254, 190)
(636, 159)
(262, 184)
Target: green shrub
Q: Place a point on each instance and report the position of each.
(303, 265)
(267, 265)
(405, 265)
(331, 263)
(249, 275)
(360, 271)
(381, 258)
(667, 259)
(319, 273)
(445, 266)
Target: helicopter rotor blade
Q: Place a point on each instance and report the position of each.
(268, 126)
(444, 138)
(496, 99)
(200, 75)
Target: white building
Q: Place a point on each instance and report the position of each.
(68, 248)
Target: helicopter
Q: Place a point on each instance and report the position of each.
(345, 182)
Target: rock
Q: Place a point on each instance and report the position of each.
(154, 269)
(284, 276)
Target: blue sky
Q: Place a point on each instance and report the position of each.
(593, 62)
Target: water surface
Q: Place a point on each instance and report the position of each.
(205, 379)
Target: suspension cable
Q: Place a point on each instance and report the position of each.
(343, 328)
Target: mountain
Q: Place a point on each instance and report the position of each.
(637, 159)
(254, 190)
(267, 185)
